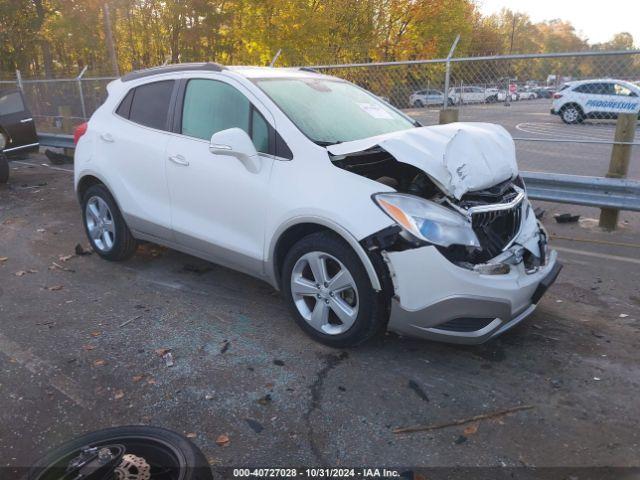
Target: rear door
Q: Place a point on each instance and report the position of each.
(16, 122)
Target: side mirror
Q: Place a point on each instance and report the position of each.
(236, 143)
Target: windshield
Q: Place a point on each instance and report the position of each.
(331, 111)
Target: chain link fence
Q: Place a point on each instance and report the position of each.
(515, 91)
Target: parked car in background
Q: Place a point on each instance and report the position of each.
(17, 129)
(599, 98)
(423, 98)
(527, 95)
(544, 92)
(472, 94)
(365, 220)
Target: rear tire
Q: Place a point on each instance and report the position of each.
(104, 225)
(362, 305)
(418, 104)
(182, 459)
(571, 114)
(4, 169)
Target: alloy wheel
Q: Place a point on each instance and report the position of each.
(100, 224)
(324, 292)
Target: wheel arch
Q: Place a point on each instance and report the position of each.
(288, 234)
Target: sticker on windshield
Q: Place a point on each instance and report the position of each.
(376, 111)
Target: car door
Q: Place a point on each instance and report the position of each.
(132, 149)
(218, 206)
(16, 122)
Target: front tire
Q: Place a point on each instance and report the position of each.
(418, 104)
(105, 227)
(169, 454)
(329, 292)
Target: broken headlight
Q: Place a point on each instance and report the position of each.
(427, 221)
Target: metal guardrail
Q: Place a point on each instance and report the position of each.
(616, 193)
(56, 140)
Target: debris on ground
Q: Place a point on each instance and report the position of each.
(137, 378)
(254, 424)
(463, 421)
(162, 351)
(471, 429)
(278, 362)
(460, 440)
(197, 269)
(57, 266)
(539, 212)
(95, 334)
(208, 396)
(118, 395)
(130, 320)
(88, 347)
(192, 435)
(99, 363)
(168, 359)
(223, 440)
(81, 251)
(55, 288)
(566, 218)
(3, 259)
(623, 315)
(265, 400)
(418, 390)
(225, 346)
(65, 258)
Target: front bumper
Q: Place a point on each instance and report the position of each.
(437, 300)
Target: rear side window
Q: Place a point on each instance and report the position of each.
(148, 104)
(11, 103)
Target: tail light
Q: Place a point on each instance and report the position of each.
(79, 132)
(557, 95)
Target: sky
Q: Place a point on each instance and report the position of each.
(597, 20)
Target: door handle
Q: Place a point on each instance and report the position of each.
(26, 120)
(107, 137)
(179, 160)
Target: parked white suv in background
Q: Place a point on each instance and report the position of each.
(600, 98)
(363, 219)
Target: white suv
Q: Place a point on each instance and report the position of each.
(363, 219)
(603, 98)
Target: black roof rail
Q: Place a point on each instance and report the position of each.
(308, 69)
(176, 67)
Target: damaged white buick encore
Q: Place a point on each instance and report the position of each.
(364, 220)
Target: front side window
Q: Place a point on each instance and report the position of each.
(211, 106)
(329, 111)
(150, 104)
(11, 103)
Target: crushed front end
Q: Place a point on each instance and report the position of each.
(470, 293)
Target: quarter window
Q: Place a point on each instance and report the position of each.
(149, 104)
(623, 91)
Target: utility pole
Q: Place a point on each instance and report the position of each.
(109, 38)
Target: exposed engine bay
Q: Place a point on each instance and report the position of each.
(497, 214)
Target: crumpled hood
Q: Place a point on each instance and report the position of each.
(458, 157)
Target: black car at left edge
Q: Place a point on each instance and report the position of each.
(17, 129)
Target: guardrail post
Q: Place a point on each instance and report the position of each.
(448, 115)
(619, 165)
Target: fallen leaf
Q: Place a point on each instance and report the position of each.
(40, 230)
(162, 351)
(137, 378)
(471, 429)
(64, 258)
(623, 315)
(119, 394)
(55, 288)
(95, 334)
(88, 347)
(3, 259)
(151, 381)
(191, 435)
(99, 363)
(20, 273)
(223, 440)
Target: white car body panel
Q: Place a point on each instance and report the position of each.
(213, 206)
(459, 157)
